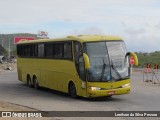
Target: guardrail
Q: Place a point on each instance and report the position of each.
(151, 75)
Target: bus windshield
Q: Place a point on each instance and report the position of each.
(108, 61)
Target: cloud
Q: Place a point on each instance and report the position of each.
(37, 11)
(157, 26)
(143, 43)
(87, 31)
(135, 32)
(143, 39)
(136, 21)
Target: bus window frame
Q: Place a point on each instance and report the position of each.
(81, 55)
(23, 56)
(42, 56)
(70, 59)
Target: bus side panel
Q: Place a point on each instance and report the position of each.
(27, 66)
(53, 74)
(59, 81)
(57, 74)
(19, 71)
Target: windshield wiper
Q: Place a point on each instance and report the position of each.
(103, 70)
(114, 68)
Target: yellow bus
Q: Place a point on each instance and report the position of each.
(83, 65)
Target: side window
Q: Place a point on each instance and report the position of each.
(61, 50)
(19, 50)
(79, 62)
(48, 50)
(36, 50)
(22, 50)
(58, 50)
(26, 50)
(77, 51)
(67, 50)
(41, 50)
(33, 51)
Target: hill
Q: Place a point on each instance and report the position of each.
(151, 58)
(4, 39)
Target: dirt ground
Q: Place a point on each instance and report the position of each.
(5, 106)
(8, 66)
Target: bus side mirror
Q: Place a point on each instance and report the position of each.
(86, 61)
(134, 56)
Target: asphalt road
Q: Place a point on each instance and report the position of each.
(143, 96)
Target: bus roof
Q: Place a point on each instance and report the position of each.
(80, 38)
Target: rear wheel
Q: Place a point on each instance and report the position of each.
(29, 83)
(35, 83)
(72, 90)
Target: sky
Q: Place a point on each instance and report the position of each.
(137, 22)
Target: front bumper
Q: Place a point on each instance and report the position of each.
(103, 93)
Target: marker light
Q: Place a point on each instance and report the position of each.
(94, 88)
(126, 85)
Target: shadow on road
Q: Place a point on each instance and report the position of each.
(67, 96)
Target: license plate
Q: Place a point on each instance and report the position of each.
(111, 92)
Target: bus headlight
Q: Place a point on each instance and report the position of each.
(94, 88)
(126, 85)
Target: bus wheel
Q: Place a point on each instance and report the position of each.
(72, 90)
(29, 83)
(35, 83)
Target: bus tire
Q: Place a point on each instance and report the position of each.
(35, 83)
(72, 90)
(29, 83)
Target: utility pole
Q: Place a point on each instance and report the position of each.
(9, 48)
(2, 42)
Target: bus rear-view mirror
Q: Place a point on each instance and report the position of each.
(134, 56)
(86, 61)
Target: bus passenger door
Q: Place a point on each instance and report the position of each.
(79, 63)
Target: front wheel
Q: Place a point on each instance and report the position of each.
(72, 90)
